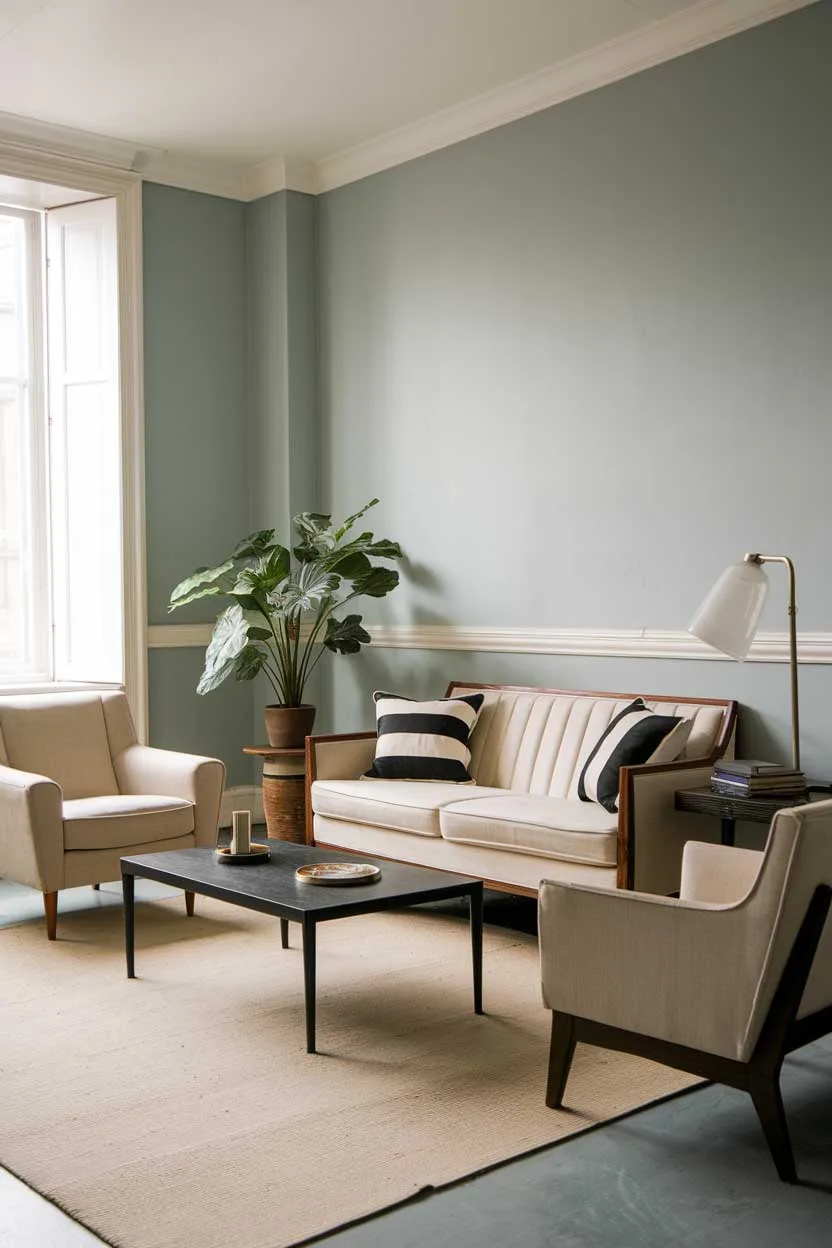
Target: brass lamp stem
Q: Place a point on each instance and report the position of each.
(792, 646)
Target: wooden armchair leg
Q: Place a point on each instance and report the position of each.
(561, 1051)
(50, 909)
(189, 904)
(768, 1102)
(96, 887)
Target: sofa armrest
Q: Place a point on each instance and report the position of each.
(651, 832)
(339, 757)
(143, 769)
(31, 830)
(342, 756)
(680, 971)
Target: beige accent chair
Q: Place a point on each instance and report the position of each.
(722, 981)
(77, 792)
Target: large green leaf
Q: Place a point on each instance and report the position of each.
(249, 662)
(345, 636)
(265, 574)
(201, 583)
(257, 543)
(304, 591)
(229, 639)
(350, 564)
(377, 582)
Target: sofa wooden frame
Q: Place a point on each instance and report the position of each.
(626, 861)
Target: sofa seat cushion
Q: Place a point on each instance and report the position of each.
(405, 805)
(555, 827)
(126, 819)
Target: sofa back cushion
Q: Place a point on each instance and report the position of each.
(538, 742)
(63, 737)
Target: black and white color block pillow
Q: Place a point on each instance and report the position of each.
(636, 735)
(424, 740)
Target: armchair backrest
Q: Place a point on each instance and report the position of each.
(797, 858)
(71, 738)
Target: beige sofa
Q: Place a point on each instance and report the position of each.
(522, 821)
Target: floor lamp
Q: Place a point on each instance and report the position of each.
(729, 615)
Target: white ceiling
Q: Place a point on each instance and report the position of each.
(236, 83)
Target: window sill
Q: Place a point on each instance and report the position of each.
(51, 686)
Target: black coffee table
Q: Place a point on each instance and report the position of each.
(271, 888)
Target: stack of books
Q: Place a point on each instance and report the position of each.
(751, 777)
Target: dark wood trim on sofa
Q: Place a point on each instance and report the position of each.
(782, 1032)
(312, 770)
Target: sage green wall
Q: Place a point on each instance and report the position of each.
(197, 453)
(586, 360)
(280, 278)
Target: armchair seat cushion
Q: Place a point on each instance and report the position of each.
(554, 827)
(113, 822)
(403, 805)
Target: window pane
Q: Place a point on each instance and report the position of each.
(12, 296)
(12, 529)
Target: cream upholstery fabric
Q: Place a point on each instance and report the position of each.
(694, 972)
(528, 748)
(77, 791)
(552, 826)
(65, 740)
(489, 863)
(539, 742)
(407, 805)
(111, 822)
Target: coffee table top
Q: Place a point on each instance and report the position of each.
(271, 886)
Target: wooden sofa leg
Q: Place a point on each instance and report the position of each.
(50, 908)
(561, 1051)
(189, 904)
(768, 1102)
(96, 887)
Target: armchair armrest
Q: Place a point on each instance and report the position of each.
(681, 971)
(718, 874)
(143, 769)
(31, 829)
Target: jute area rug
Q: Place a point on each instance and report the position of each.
(180, 1109)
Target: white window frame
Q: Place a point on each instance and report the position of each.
(126, 188)
(38, 502)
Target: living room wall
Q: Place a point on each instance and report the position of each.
(198, 497)
(585, 361)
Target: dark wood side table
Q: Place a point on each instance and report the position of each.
(703, 801)
(284, 791)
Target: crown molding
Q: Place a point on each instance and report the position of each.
(586, 642)
(279, 174)
(650, 45)
(660, 41)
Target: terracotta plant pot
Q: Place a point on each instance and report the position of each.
(287, 726)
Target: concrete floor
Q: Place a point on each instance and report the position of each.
(693, 1171)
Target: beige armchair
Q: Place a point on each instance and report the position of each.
(722, 982)
(77, 792)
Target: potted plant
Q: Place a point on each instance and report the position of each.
(283, 613)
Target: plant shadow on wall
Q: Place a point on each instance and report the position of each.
(283, 614)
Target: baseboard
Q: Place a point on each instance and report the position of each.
(242, 797)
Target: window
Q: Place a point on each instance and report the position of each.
(61, 540)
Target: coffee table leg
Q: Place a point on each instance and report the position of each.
(284, 933)
(475, 903)
(127, 889)
(309, 979)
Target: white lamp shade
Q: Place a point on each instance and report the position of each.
(728, 618)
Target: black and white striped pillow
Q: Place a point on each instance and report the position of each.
(424, 740)
(636, 735)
